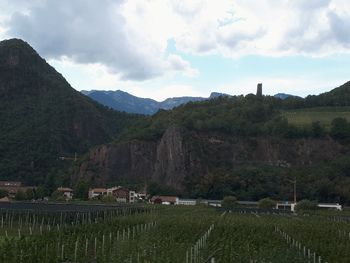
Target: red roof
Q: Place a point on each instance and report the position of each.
(64, 189)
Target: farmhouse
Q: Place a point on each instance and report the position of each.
(66, 192)
(97, 192)
(122, 195)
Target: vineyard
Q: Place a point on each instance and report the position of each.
(169, 234)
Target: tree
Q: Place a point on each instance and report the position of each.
(39, 192)
(229, 202)
(305, 205)
(20, 195)
(267, 203)
(29, 194)
(3, 193)
(317, 130)
(81, 190)
(340, 129)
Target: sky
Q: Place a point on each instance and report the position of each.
(170, 48)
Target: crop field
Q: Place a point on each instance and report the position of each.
(170, 234)
(324, 115)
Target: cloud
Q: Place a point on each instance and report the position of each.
(90, 32)
(178, 64)
(340, 27)
(167, 91)
(131, 38)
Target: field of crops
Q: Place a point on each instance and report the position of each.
(324, 115)
(170, 234)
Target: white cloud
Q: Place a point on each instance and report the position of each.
(131, 37)
(178, 64)
(112, 44)
(162, 93)
(95, 33)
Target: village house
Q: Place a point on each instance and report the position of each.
(122, 194)
(165, 200)
(12, 187)
(97, 192)
(66, 192)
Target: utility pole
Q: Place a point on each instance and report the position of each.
(294, 182)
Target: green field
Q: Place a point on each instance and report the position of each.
(174, 235)
(324, 115)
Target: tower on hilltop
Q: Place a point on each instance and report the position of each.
(259, 90)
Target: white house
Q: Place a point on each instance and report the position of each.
(187, 202)
(66, 192)
(97, 192)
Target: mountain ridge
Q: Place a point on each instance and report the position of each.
(42, 117)
(124, 101)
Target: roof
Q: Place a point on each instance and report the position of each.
(98, 190)
(64, 189)
(4, 199)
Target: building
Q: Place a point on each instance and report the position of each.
(66, 192)
(259, 90)
(97, 192)
(187, 202)
(12, 187)
(122, 195)
(286, 206)
(330, 206)
(165, 200)
(215, 203)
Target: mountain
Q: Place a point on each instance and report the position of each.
(241, 146)
(43, 118)
(123, 101)
(283, 96)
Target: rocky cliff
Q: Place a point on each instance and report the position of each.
(181, 154)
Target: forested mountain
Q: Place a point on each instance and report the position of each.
(42, 117)
(240, 146)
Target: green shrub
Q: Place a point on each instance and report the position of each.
(267, 203)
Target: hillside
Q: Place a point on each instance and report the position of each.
(240, 146)
(42, 117)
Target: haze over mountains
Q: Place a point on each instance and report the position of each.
(123, 101)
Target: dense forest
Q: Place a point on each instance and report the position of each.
(43, 118)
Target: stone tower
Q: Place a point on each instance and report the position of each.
(259, 90)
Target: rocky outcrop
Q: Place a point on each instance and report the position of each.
(181, 153)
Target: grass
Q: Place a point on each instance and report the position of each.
(325, 115)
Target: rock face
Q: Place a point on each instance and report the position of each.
(181, 153)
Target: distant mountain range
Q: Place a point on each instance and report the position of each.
(284, 96)
(123, 101)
